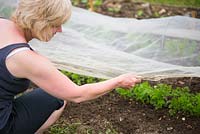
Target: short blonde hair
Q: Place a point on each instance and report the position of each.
(39, 16)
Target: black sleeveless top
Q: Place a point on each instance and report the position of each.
(10, 86)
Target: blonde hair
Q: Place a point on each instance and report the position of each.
(39, 16)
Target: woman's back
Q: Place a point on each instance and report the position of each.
(10, 39)
(10, 34)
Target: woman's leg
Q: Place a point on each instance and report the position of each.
(52, 119)
(35, 111)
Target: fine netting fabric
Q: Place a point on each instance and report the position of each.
(102, 46)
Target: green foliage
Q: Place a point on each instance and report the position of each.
(142, 92)
(188, 3)
(178, 100)
(80, 79)
(109, 131)
(62, 126)
(97, 3)
(159, 96)
(84, 1)
(114, 9)
(177, 48)
(125, 93)
(75, 2)
(70, 128)
(140, 13)
(186, 103)
(196, 103)
(181, 103)
(156, 14)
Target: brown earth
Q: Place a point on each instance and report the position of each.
(140, 10)
(112, 113)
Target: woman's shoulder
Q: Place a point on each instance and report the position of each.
(10, 33)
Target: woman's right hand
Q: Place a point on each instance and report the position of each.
(128, 80)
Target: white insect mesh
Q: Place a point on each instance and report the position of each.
(102, 46)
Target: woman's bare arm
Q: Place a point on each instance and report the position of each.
(41, 71)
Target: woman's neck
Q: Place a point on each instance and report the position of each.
(28, 35)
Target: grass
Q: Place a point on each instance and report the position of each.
(62, 126)
(185, 3)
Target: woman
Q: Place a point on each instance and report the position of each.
(35, 111)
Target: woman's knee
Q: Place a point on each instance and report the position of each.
(63, 105)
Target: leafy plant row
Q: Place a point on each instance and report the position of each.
(178, 100)
(80, 79)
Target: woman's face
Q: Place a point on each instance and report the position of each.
(56, 29)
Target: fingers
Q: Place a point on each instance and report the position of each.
(137, 79)
(129, 80)
(133, 85)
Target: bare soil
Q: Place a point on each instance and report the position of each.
(131, 117)
(140, 10)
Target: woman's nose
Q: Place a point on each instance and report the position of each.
(59, 29)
